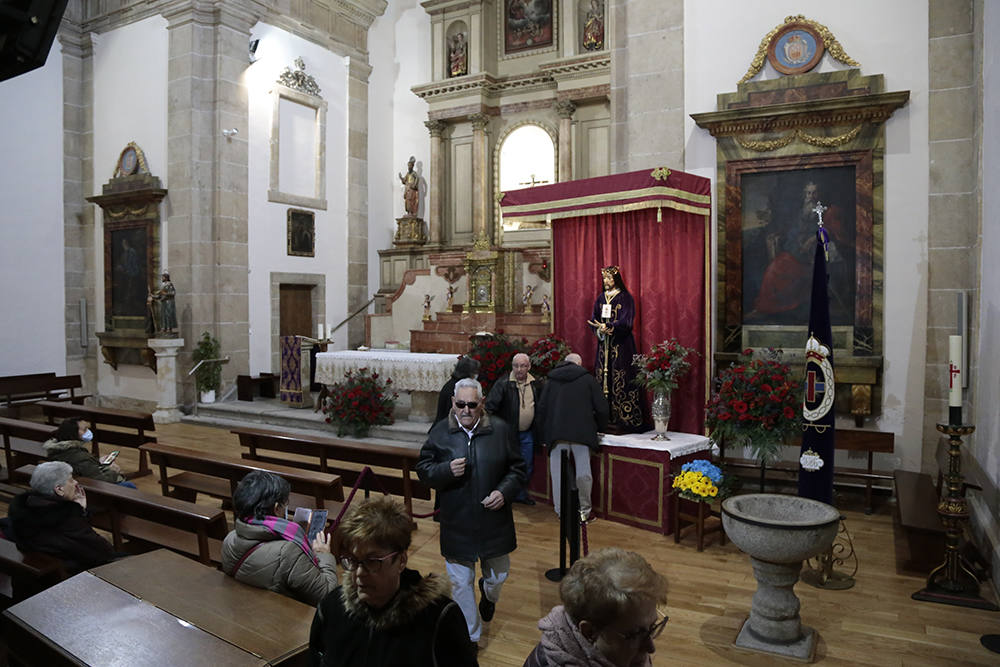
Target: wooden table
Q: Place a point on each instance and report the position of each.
(161, 608)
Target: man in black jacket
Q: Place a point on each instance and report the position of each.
(513, 399)
(574, 410)
(470, 460)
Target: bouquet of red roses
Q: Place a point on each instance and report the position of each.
(758, 403)
(545, 353)
(494, 353)
(666, 363)
(359, 402)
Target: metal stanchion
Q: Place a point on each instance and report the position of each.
(569, 524)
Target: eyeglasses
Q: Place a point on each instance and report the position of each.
(472, 404)
(642, 634)
(373, 564)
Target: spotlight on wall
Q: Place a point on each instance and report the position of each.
(253, 50)
(230, 133)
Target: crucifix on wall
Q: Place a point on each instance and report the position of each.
(533, 182)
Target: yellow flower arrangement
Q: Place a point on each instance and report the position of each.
(698, 480)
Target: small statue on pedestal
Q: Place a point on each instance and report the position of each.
(427, 307)
(165, 321)
(546, 309)
(451, 297)
(526, 298)
(410, 228)
(458, 62)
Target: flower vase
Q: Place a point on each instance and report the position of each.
(661, 413)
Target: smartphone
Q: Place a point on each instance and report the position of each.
(317, 522)
(111, 457)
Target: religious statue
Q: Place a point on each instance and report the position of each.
(411, 189)
(451, 297)
(546, 309)
(167, 320)
(458, 58)
(593, 29)
(427, 306)
(614, 312)
(529, 291)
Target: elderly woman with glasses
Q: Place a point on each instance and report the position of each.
(267, 550)
(384, 614)
(609, 615)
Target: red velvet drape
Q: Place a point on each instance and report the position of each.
(663, 265)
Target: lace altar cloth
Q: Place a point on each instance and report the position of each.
(410, 371)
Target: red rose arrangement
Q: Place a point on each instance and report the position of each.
(545, 353)
(494, 353)
(359, 402)
(664, 366)
(757, 404)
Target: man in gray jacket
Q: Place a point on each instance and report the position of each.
(574, 410)
(470, 460)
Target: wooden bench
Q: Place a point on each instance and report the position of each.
(851, 440)
(328, 451)
(30, 572)
(146, 519)
(265, 384)
(22, 443)
(916, 513)
(19, 390)
(132, 429)
(216, 475)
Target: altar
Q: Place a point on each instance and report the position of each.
(632, 476)
(420, 373)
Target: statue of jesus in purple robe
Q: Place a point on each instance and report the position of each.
(614, 311)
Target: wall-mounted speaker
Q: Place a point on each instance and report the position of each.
(27, 28)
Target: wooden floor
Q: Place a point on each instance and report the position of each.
(874, 623)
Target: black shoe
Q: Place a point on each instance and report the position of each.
(486, 608)
(525, 501)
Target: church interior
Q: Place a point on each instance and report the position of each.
(238, 195)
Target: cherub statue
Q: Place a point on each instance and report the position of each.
(546, 308)
(427, 306)
(529, 291)
(451, 296)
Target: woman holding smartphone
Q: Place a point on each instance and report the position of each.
(71, 444)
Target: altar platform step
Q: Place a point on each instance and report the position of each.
(449, 332)
(270, 412)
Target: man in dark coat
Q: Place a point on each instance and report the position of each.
(52, 518)
(513, 399)
(470, 460)
(574, 410)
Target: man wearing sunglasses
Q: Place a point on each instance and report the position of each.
(473, 463)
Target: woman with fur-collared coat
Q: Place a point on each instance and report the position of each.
(384, 614)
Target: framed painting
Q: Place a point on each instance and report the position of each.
(773, 207)
(528, 25)
(301, 233)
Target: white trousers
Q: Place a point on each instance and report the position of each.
(464, 586)
(584, 480)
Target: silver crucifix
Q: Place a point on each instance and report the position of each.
(819, 212)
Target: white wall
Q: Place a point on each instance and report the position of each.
(130, 104)
(32, 338)
(721, 38)
(399, 44)
(267, 226)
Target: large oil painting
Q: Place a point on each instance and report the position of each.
(129, 273)
(528, 25)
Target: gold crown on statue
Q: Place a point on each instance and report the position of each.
(610, 271)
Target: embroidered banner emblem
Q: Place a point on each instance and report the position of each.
(819, 390)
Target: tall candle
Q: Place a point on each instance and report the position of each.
(319, 331)
(955, 379)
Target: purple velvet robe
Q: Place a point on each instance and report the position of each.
(617, 376)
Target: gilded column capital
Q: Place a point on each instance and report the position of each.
(564, 108)
(435, 127)
(479, 121)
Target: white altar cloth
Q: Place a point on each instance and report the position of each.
(679, 444)
(410, 371)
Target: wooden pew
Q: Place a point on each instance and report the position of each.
(328, 451)
(22, 444)
(217, 476)
(18, 390)
(133, 429)
(265, 383)
(30, 571)
(916, 514)
(144, 518)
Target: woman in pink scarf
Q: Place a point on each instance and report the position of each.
(609, 615)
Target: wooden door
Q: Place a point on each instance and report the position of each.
(295, 308)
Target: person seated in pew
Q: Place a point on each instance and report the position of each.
(51, 518)
(609, 616)
(384, 614)
(71, 444)
(267, 550)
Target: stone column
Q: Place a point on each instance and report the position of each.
(357, 196)
(166, 349)
(482, 235)
(565, 109)
(435, 215)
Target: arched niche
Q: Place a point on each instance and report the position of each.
(456, 51)
(526, 154)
